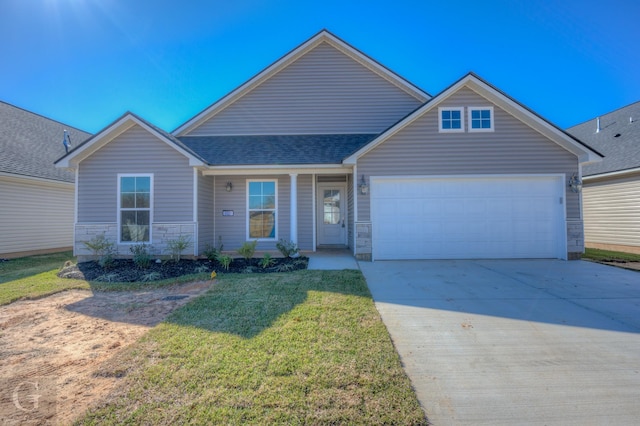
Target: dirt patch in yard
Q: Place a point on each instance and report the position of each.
(63, 339)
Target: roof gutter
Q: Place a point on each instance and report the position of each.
(619, 173)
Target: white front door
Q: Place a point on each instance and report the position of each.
(332, 212)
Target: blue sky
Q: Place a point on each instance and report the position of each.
(86, 62)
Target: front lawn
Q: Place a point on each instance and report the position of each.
(305, 347)
(35, 276)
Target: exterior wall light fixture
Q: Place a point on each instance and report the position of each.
(363, 186)
(575, 183)
(229, 186)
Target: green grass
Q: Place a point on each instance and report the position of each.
(35, 276)
(305, 347)
(606, 255)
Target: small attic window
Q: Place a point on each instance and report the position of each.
(451, 119)
(481, 119)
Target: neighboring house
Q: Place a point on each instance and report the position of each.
(328, 148)
(611, 192)
(36, 198)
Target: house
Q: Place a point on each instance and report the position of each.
(611, 188)
(328, 148)
(36, 198)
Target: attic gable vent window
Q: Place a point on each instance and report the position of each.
(481, 119)
(451, 119)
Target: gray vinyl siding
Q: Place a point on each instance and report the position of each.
(323, 92)
(35, 215)
(233, 229)
(513, 148)
(612, 211)
(205, 212)
(305, 212)
(135, 151)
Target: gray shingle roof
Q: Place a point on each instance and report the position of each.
(276, 149)
(30, 143)
(618, 140)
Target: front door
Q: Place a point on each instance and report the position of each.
(332, 212)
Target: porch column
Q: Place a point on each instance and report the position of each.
(294, 208)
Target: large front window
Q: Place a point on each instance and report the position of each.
(134, 204)
(262, 205)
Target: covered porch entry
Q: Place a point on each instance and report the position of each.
(310, 207)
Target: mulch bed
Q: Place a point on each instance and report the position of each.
(124, 270)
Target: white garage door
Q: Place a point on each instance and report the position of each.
(468, 217)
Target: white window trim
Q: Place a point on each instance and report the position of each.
(150, 176)
(469, 111)
(249, 238)
(462, 123)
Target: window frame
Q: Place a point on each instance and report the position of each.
(470, 120)
(249, 210)
(120, 208)
(462, 119)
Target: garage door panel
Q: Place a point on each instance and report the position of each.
(427, 218)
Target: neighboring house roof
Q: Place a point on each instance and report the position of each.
(30, 143)
(584, 153)
(323, 36)
(276, 149)
(618, 139)
(122, 124)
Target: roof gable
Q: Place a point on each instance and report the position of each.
(30, 143)
(109, 133)
(618, 139)
(322, 40)
(500, 99)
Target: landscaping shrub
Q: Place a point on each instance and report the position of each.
(287, 248)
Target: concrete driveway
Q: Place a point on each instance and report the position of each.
(515, 342)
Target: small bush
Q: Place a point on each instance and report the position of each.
(141, 255)
(151, 276)
(177, 246)
(202, 269)
(247, 250)
(211, 253)
(103, 250)
(287, 248)
(266, 261)
(286, 267)
(225, 260)
(109, 278)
